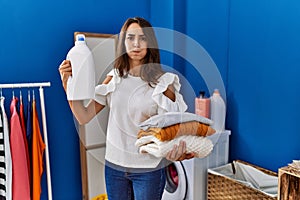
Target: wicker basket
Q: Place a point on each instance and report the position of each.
(224, 188)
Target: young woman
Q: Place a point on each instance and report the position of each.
(135, 90)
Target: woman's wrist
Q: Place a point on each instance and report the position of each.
(65, 86)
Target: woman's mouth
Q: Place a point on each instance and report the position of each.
(136, 50)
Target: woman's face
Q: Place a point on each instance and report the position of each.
(135, 42)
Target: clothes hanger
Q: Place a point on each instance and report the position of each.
(20, 95)
(33, 96)
(28, 95)
(13, 92)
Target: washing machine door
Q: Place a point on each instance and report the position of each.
(176, 182)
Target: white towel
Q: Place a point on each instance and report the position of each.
(201, 146)
(256, 177)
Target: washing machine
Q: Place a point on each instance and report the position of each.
(186, 180)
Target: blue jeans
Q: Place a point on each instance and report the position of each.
(122, 185)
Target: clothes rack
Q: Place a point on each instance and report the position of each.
(42, 102)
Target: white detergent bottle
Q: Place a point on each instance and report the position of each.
(218, 111)
(81, 85)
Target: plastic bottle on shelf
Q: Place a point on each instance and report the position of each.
(81, 85)
(202, 105)
(218, 111)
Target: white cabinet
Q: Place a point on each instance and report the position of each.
(92, 150)
(95, 172)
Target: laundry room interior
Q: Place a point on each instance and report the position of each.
(250, 51)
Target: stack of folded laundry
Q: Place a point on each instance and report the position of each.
(160, 133)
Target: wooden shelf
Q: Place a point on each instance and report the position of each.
(289, 183)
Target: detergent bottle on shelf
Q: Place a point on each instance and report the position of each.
(202, 105)
(218, 111)
(81, 85)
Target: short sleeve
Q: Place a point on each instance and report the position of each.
(102, 90)
(164, 103)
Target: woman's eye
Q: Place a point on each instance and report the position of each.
(143, 39)
(130, 38)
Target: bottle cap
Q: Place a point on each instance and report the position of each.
(216, 91)
(80, 37)
(202, 93)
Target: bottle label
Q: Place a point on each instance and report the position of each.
(202, 107)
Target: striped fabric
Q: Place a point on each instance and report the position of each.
(2, 160)
(8, 161)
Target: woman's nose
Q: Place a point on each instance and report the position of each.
(136, 42)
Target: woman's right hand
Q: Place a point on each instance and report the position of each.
(178, 153)
(65, 70)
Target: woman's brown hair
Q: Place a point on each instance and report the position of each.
(151, 69)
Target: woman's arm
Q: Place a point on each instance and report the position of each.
(170, 92)
(82, 113)
(178, 152)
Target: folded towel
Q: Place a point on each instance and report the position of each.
(171, 118)
(170, 132)
(200, 146)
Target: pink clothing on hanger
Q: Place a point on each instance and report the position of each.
(20, 176)
(22, 121)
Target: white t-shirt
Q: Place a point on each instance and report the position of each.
(131, 101)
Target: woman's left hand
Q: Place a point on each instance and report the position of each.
(178, 153)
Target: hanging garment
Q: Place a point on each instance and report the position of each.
(2, 160)
(22, 121)
(38, 148)
(8, 161)
(20, 176)
(28, 135)
(29, 124)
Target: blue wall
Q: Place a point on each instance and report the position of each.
(263, 82)
(254, 45)
(35, 38)
(207, 23)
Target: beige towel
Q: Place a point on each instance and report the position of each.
(170, 132)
